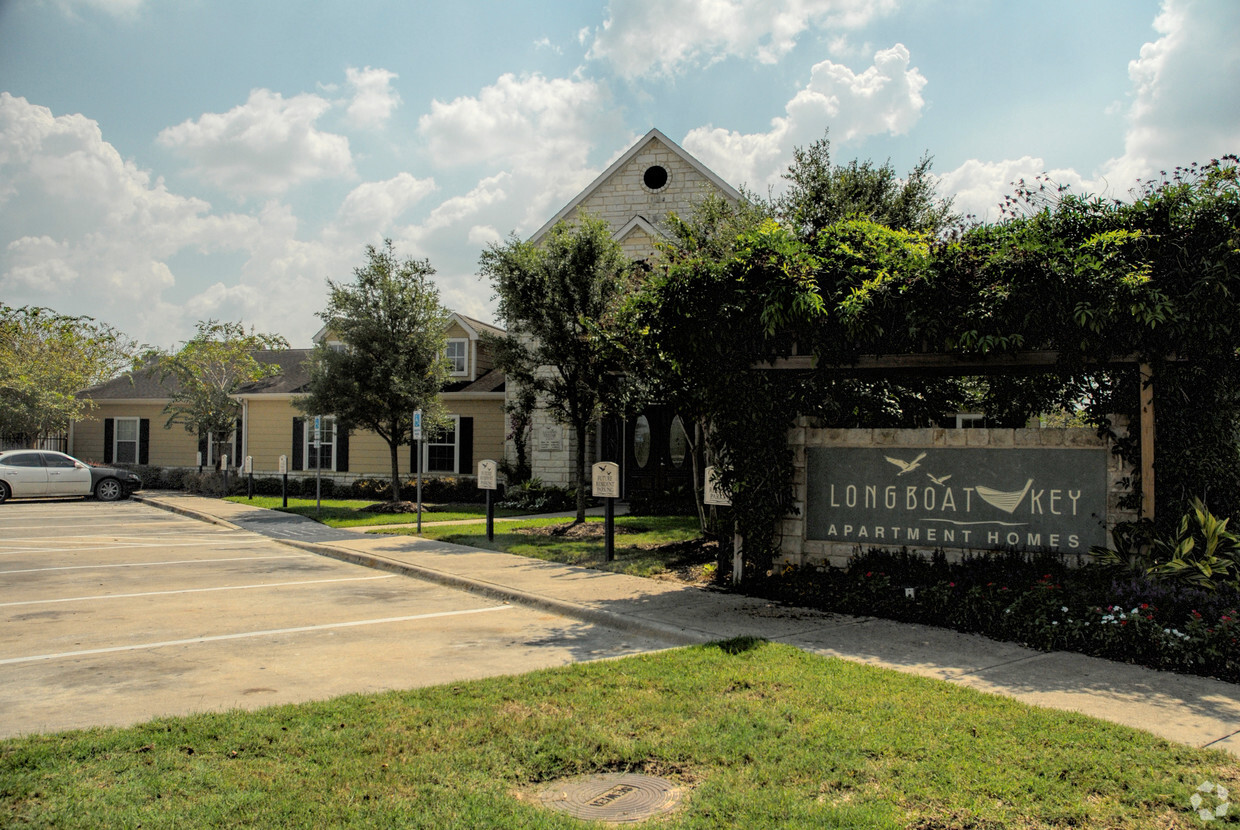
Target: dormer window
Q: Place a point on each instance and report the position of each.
(458, 356)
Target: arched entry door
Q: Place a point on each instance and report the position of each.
(656, 453)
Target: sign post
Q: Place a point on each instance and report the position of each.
(249, 471)
(713, 494)
(487, 481)
(318, 468)
(284, 476)
(224, 467)
(417, 439)
(605, 479)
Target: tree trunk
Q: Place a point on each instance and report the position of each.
(393, 449)
(580, 472)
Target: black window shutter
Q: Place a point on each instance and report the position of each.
(342, 450)
(144, 441)
(465, 447)
(202, 447)
(299, 427)
(238, 446)
(415, 455)
(109, 430)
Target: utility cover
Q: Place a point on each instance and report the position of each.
(615, 797)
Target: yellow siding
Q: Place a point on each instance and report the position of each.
(483, 358)
(270, 434)
(488, 428)
(173, 447)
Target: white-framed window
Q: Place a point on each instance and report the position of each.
(325, 453)
(443, 448)
(125, 434)
(215, 449)
(970, 420)
(457, 352)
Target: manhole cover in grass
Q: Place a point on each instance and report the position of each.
(618, 797)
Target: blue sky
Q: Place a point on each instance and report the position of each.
(166, 161)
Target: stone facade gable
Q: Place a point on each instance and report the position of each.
(653, 178)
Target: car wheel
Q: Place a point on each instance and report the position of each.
(109, 490)
(4, 492)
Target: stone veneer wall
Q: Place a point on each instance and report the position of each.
(799, 551)
(624, 195)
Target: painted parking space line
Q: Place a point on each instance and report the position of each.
(249, 634)
(155, 564)
(86, 547)
(117, 537)
(195, 590)
(61, 522)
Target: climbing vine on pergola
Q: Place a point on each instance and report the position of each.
(1074, 291)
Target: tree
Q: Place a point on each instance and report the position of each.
(821, 193)
(394, 333)
(46, 359)
(553, 299)
(209, 369)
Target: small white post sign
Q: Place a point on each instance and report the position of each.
(318, 431)
(249, 464)
(284, 465)
(487, 474)
(605, 477)
(712, 494)
(223, 462)
(417, 425)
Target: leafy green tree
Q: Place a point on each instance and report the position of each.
(394, 333)
(46, 359)
(208, 370)
(821, 193)
(554, 299)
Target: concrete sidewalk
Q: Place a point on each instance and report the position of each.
(1198, 711)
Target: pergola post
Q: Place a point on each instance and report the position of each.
(1147, 441)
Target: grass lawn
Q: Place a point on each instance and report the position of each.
(760, 735)
(348, 512)
(644, 545)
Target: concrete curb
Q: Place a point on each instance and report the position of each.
(490, 590)
(185, 511)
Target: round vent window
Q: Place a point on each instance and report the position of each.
(655, 177)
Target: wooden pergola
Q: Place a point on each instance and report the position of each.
(1019, 362)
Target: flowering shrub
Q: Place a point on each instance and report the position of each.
(1034, 600)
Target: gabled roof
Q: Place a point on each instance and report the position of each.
(476, 327)
(654, 134)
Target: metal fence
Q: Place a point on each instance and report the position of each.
(57, 443)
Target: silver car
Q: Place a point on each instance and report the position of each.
(40, 473)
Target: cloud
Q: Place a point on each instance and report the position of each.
(82, 228)
(1185, 107)
(263, 147)
(116, 8)
(884, 98)
(668, 37)
(377, 205)
(373, 96)
(1186, 102)
(979, 187)
(539, 131)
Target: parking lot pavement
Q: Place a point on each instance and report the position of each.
(116, 613)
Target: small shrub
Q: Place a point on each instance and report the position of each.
(533, 496)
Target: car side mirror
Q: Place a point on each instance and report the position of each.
(79, 465)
